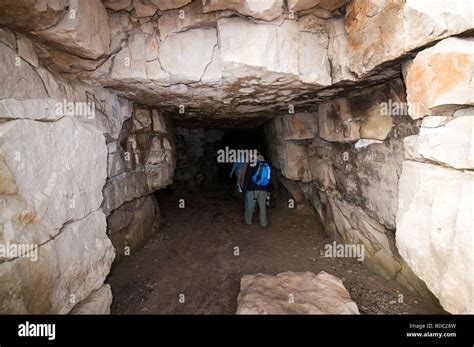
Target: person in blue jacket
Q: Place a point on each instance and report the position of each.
(256, 184)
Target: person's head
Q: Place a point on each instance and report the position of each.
(256, 157)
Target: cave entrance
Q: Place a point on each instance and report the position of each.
(195, 263)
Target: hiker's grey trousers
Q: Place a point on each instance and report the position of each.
(253, 197)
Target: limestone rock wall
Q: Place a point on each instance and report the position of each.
(395, 173)
(132, 224)
(141, 158)
(435, 229)
(58, 144)
(53, 171)
(351, 181)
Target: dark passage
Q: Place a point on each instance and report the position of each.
(195, 263)
(197, 166)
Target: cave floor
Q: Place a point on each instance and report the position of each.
(193, 254)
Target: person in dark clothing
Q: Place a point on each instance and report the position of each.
(256, 193)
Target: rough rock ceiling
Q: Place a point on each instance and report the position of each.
(235, 63)
(259, 113)
(227, 68)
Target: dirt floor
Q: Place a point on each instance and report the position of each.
(193, 255)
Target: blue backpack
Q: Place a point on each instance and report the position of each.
(262, 176)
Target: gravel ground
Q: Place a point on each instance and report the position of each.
(191, 267)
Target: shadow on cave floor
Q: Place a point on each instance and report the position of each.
(193, 255)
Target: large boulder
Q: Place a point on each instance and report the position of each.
(279, 41)
(381, 31)
(290, 50)
(294, 293)
(367, 115)
(439, 79)
(336, 122)
(372, 108)
(56, 193)
(185, 56)
(55, 207)
(36, 109)
(313, 55)
(293, 161)
(31, 91)
(137, 60)
(69, 267)
(338, 51)
(435, 233)
(299, 126)
(83, 30)
(32, 14)
(450, 144)
(19, 78)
